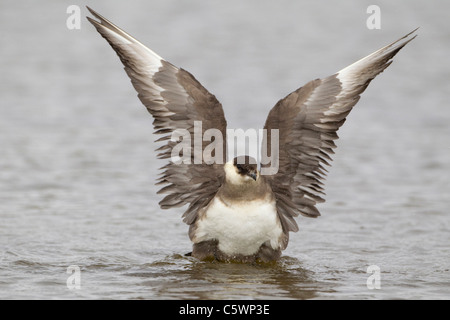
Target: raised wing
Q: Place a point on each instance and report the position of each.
(308, 120)
(176, 100)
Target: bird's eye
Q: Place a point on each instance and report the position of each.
(239, 167)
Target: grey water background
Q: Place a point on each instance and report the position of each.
(77, 162)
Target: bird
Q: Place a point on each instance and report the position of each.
(235, 213)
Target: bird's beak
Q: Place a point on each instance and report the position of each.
(253, 175)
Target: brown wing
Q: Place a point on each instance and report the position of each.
(176, 100)
(307, 120)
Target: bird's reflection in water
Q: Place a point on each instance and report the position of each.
(188, 278)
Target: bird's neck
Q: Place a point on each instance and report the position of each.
(246, 191)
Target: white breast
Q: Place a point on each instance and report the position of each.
(240, 228)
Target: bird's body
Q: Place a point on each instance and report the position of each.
(239, 228)
(240, 219)
(235, 211)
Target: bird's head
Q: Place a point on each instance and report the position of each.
(242, 169)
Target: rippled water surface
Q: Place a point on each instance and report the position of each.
(77, 163)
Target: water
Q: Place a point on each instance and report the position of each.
(77, 165)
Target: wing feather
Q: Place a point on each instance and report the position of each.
(307, 120)
(176, 100)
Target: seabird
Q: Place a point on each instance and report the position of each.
(234, 212)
